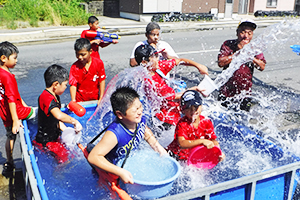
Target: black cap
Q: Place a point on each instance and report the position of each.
(143, 52)
(190, 98)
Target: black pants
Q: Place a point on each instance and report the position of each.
(244, 104)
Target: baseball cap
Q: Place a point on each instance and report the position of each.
(143, 52)
(190, 98)
(247, 22)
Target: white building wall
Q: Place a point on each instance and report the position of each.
(284, 5)
(154, 6)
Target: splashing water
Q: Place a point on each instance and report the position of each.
(135, 78)
(273, 35)
(247, 139)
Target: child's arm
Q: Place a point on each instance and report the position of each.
(62, 126)
(259, 64)
(202, 69)
(73, 92)
(105, 44)
(185, 144)
(16, 122)
(63, 117)
(224, 60)
(23, 103)
(97, 157)
(149, 137)
(102, 89)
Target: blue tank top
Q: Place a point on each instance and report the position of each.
(125, 137)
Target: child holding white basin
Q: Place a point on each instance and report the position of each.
(124, 134)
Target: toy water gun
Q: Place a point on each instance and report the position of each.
(105, 37)
(296, 49)
(78, 109)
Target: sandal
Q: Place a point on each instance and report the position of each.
(7, 168)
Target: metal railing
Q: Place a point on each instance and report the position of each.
(33, 181)
(248, 182)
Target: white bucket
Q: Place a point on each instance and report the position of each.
(208, 85)
(70, 137)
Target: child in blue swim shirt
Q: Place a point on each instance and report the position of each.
(118, 138)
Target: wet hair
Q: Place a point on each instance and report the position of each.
(92, 19)
(55, 73)
(122, 99)
(82, 43)
(151, 26)
(143, 52)
(7, 49)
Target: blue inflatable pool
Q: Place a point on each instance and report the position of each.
(46, 180)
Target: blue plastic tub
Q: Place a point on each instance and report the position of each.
(76, 181)
(153, 175)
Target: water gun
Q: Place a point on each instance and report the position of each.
(78, 109)
(296, 49)
(105, 37)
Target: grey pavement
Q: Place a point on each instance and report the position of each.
(120, 26)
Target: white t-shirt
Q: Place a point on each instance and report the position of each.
(160, 46)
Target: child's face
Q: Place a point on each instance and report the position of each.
(94, 26)
(11, 61)
(133, 113)
(152, 65)
(192, 112)
(60, 88)
(153, 36)
(245, 34)
(83, 56)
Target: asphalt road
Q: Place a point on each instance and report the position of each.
(201, 46)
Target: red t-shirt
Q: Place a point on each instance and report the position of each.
(242, 78)
(185, 129)
(95, 47)
(9, 93)
(169, 109)
(87, 82)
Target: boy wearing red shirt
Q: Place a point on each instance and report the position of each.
(12, 106)
(87, 74)
(94, 26)
(193, 129)
(169, 110)
(50, 117)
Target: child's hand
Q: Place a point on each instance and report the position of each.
(114, 41)
(77, 126)
(162, 151)
(126, 176)
(209, 144)
(16, 126)
(97, 41)
(222, 157)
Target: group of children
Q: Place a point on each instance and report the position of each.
(87, 82)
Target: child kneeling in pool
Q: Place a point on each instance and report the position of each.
(125, 133)
(193, 129)
(50, 117)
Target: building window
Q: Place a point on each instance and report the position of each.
(271, 3)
